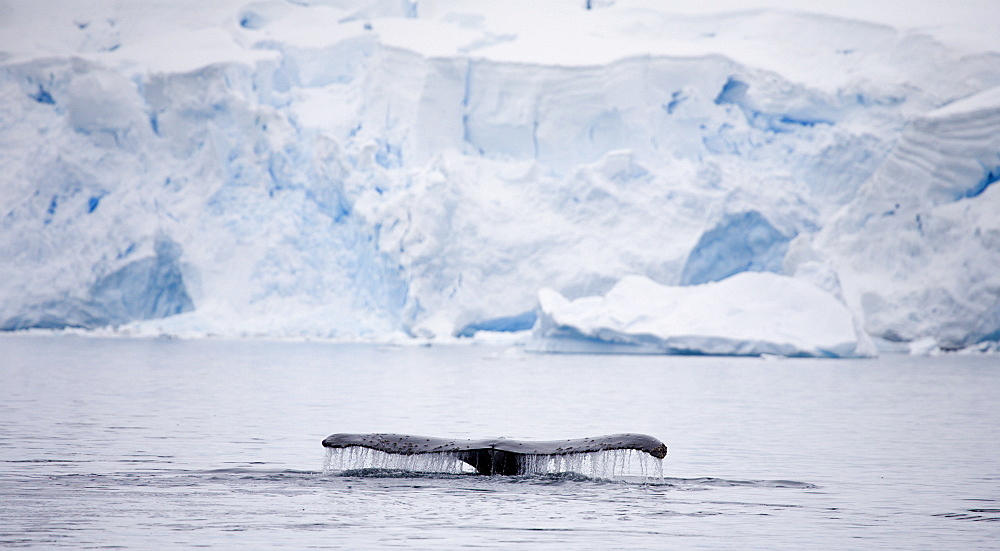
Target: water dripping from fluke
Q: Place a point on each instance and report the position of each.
(605, 457)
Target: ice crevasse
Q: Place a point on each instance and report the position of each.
(390, 170)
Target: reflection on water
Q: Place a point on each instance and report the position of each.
(147, 444)
(369, 507)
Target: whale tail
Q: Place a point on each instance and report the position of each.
(496, 456)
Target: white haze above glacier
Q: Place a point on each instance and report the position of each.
(396, 169)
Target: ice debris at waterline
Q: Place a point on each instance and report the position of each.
(748, 314)
(608, 464)
(379, 170)
(497, 455)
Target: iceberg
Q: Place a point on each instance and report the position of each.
(748, 314)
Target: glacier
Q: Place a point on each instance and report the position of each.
(423, 170)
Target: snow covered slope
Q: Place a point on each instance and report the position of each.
(378, 168)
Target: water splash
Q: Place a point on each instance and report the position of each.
(357, 458)
(607, 464)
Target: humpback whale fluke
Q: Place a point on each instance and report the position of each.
(498, 455)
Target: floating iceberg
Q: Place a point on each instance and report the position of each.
(748, 314)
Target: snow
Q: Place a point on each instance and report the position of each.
(368, 169)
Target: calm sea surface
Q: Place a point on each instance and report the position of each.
(166, 443)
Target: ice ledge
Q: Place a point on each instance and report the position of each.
(748, 314)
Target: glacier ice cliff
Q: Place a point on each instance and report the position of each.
(917, 249)
(371, 169)
(145, 288)
(741, 242)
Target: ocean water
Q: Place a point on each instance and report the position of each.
(109, 443)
